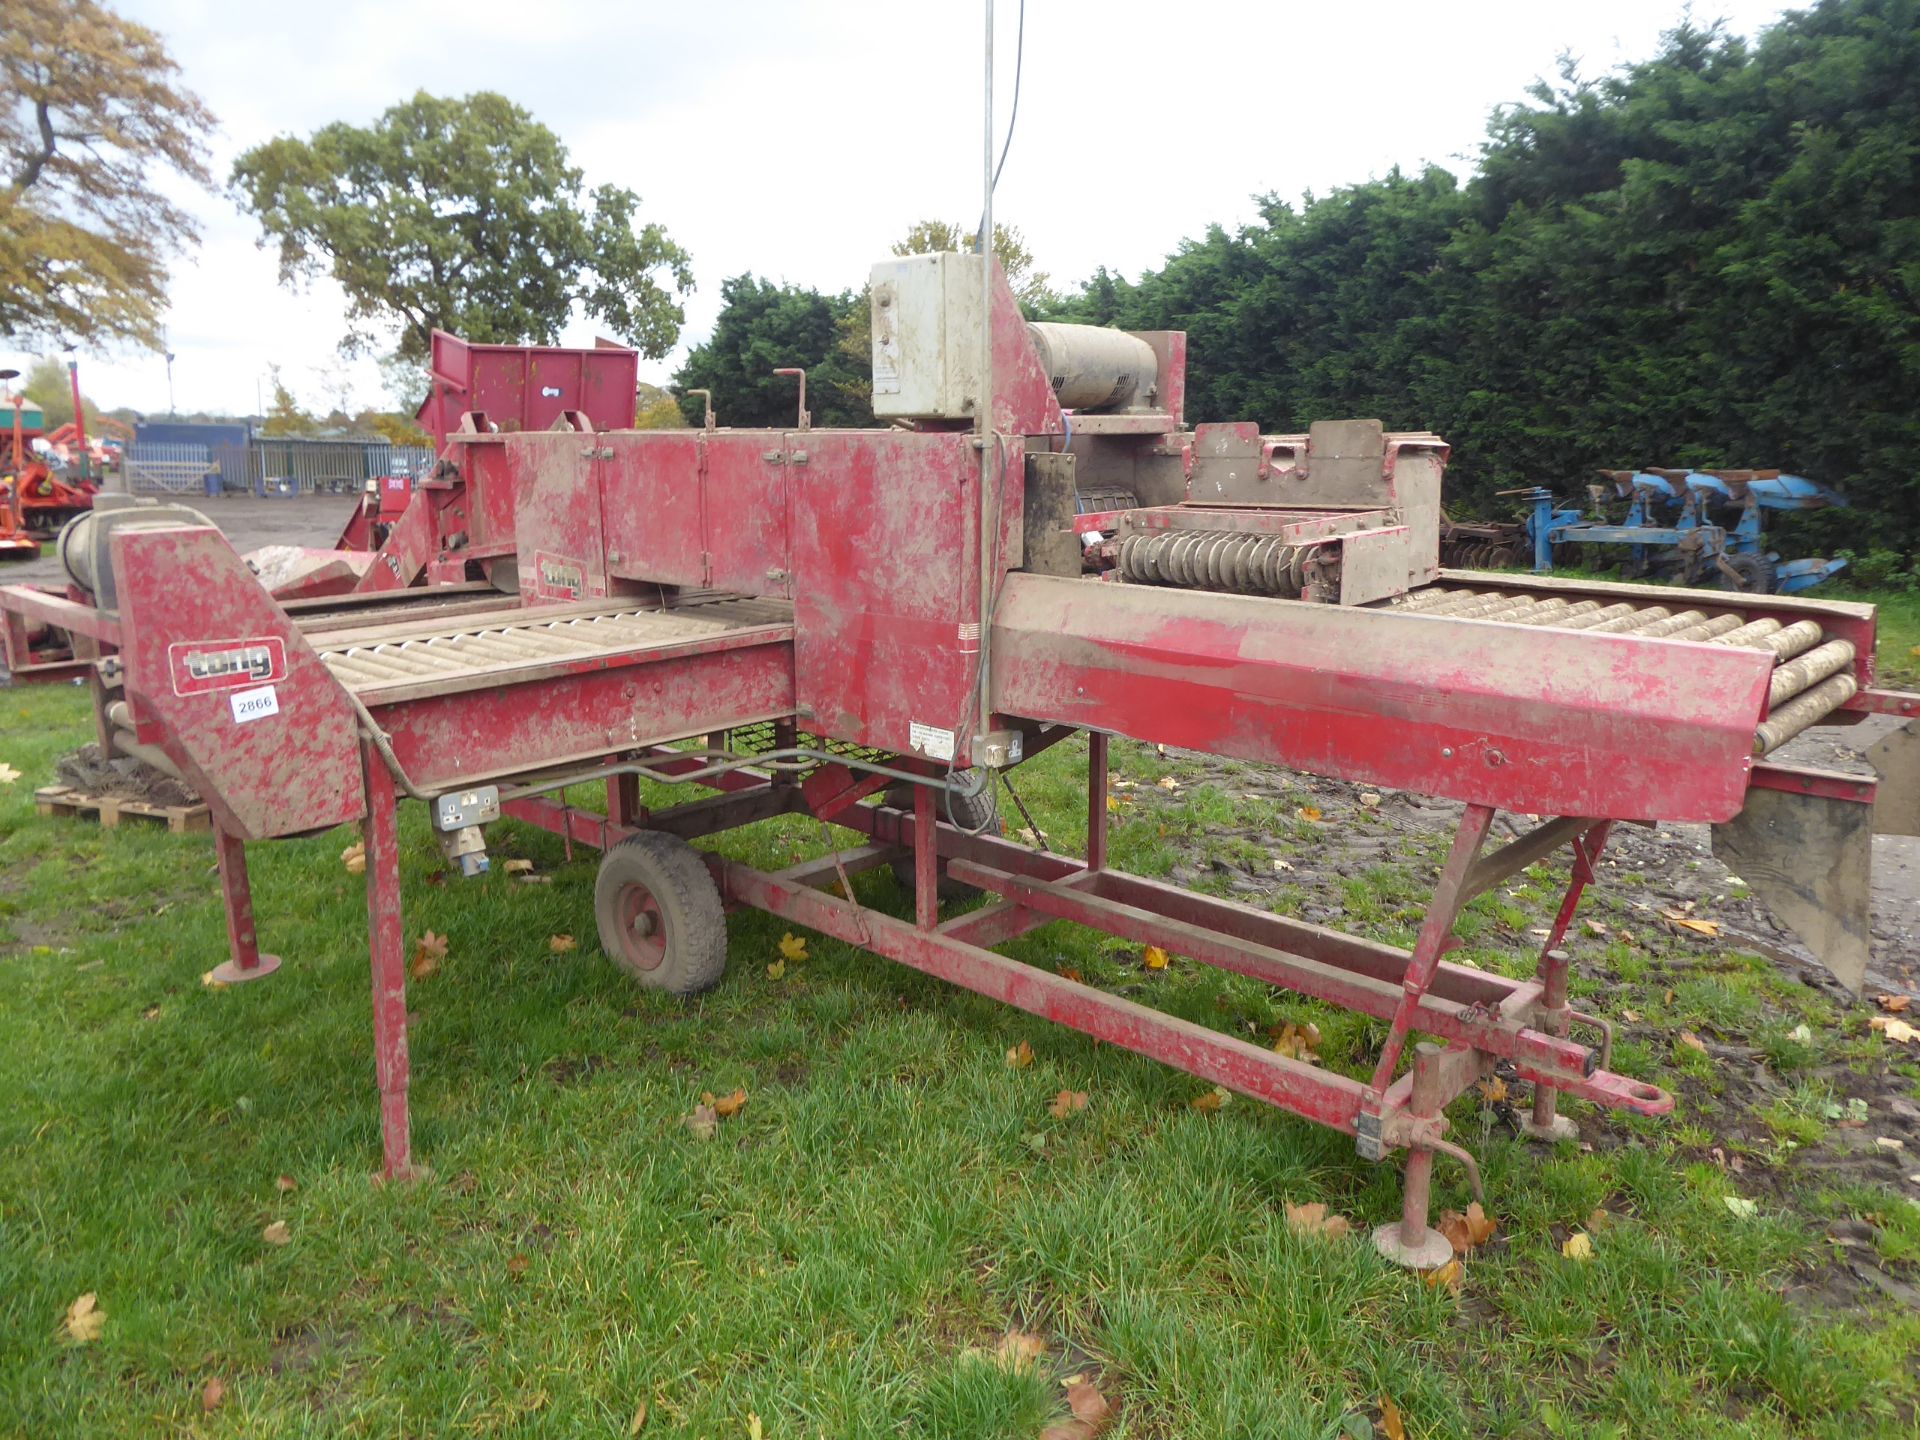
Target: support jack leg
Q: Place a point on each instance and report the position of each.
(245, 961)
(1409, 1241)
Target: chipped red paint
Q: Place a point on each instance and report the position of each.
(286, 772)
(1529, 719)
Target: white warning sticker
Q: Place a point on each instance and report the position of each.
(930, 740)
(255, 704)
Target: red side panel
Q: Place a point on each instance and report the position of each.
(1529, 719)
(220, 679)
(751, 479)
(886, 587)
(651, 504)
(562, 550)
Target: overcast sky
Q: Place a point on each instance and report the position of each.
(798, 140)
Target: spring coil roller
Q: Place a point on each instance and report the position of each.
(1216, 560)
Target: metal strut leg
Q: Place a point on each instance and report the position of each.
(246, 962)
(926, 861)
(1546, 1123)
(381, 831)
(1448, 896)
(1096, 800)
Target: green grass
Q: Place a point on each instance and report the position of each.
(891, 1201)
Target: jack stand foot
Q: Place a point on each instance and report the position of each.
(228, 973)
(1557, 1129)
(1433, 1251)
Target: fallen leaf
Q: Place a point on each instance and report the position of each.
(1313, 1220)
(1281, 866)
(703, 1122)
(211, 1394)
(1211, 1101)
(1167, 782)
(777, 969)
(1068, 1102)
(1888, 1142)
(1740, 1205)
(1369, 799)
(1298, 1042)
(1453, 1275)
(639, 1420)
(1579, 1246)
(1092, 1413)
(1687, 922)
(1156, 958)
(517, 867)
(1893, 1004)
(286, 1184)
(1632, 1017)
(85, 1319)
(755, 1431)
(727, 1106)
(560, 944)
(1802, 1033)
(1625, 937)
(277, 1234)
(1391, 1425)
(207, 979)
(1113, 804)
(1896, 1030)
(8, 774)
(1310, 813)
(1020, 1056)
(1018, 1350)
(1493, 1090)
(793, 947)
(1599, 1219)
(1693, 1041)
(1467, 1232)
(428, 951)
(1070, 974)
(1594, 927)
(1031, 837)
(518, 1264)
(152, 1012)
(354, 857)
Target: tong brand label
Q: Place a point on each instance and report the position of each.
(202, 665)
(555, 577)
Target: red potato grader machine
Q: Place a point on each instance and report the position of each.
(864, 625)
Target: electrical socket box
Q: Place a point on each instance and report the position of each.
(926, 337)
(460, 808)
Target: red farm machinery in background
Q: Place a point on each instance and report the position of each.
(498, 389)
(866, 626)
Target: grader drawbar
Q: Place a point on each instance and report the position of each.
(859, 625)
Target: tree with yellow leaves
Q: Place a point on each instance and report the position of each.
(93, 110)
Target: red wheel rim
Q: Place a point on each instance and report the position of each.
(643, 929)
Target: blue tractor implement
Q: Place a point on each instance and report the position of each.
(1695, 526)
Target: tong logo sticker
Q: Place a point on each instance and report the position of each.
(557, 578)
(202, 665)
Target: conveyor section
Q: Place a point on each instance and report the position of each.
(375, 654)
(1813, 676)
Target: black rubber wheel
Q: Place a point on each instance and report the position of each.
(969, 812)
(1753, 575)
(660, 915)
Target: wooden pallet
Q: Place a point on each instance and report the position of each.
(111, 810)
